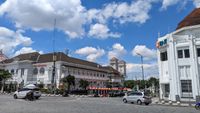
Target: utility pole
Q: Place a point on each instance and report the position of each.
(54, 61)
(142, 70)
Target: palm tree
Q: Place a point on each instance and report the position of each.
(68, 80)
(83, 84)
(4, 75)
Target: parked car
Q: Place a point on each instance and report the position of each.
(23, 93)
(116, 94)
(137, 97)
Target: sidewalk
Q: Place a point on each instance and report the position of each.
(172, 103)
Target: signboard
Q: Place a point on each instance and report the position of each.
(161, 43)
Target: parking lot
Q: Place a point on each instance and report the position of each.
(82, 105)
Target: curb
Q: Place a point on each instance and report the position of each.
(176, 104)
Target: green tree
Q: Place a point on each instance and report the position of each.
(154, 82)
(83, 84)
(68, 81)
(129, 83)
(4, 75)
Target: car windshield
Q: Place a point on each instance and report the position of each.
(36, 89)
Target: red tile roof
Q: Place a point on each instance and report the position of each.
(192, 19)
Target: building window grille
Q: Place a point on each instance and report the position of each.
(12, 71)
(16, 71)
(22, 71)
(198, 52)
(167, 90)
(186, 86)
(35, 71)
(187, 53)
(180, 53)
(42, 70)
(163, 56)
(78, 72)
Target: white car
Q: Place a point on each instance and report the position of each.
(22, 93)
(137, 97)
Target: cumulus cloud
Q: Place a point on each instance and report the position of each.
(10, 40)
(26, 50)
(147, 53)
(91, 53)
(196, 3)
(117, 51)
(136, 12)
(40, 14)
(102, 31)
(134, 70)
(168, 3)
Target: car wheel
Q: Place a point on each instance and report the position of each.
(139, 102)
(146, 103)
(124, 100)
(37, 97)
(15, 96)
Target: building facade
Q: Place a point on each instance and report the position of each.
(120, 66)
(35, 68)
(179, 60)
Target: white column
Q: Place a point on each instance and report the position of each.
(172, 60)
(194, 66)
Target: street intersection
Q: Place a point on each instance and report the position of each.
(82, 105)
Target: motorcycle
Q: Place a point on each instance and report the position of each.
(197, 105)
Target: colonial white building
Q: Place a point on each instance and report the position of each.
(37, 68)
(119, 65)
(179, 60)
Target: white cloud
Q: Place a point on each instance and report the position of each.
(136, 12)
(40, 15)
(102, 31)
(117, 51)
(10, 40)
(147, 53)
(91, 53)
(167, 3)
(134, 70)
(196, 3)
(26, 50)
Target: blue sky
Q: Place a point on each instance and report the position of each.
(94, 30)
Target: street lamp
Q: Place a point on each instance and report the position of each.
(142, 69)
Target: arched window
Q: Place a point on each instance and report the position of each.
(35, 71)
(12, 71)
(42, 70)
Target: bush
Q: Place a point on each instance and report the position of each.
(59, 91)
(79, 92)
(46, 91)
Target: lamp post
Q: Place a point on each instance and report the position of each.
(54, 61)
(142, 69)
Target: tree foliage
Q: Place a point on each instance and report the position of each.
(129, 83)
(83, 84)
(148, 83)
(4, 75)
(68, 80)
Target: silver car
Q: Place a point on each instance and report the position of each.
(22, 93)
(137, 97)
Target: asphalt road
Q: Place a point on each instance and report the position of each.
(82, 105)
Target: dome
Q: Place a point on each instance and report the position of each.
(192, 19)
